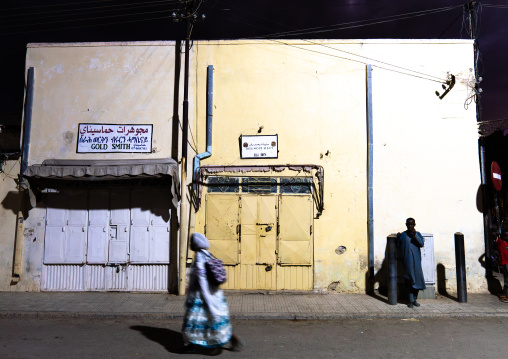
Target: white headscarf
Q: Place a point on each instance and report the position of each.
(199, 241)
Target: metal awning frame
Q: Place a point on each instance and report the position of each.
(56, 173)
(213, 169)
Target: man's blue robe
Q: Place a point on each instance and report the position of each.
(412, 259)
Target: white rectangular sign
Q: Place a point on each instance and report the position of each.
(259, 146)
(95, 138)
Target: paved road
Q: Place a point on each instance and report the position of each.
(349, 338)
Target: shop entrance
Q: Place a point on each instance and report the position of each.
(265, 240)
(107, 239)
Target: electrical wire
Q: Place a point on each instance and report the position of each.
(362, 56)
(72, 4)
(362, 62)
(7, 174)
(451, 24)
(213, 6)
(91, 18)
(77, 12)
(354, 54)
(352, 24)
(197, 7)
(188, 142)
(85, 25)
(495, 6)
(378, 61)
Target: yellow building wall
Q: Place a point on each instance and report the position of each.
(313, 95)
(104, 83)
(316, 105)
(10, 201)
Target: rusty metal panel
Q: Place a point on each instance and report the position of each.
(222, 226)
(295, 230)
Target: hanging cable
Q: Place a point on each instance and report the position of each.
(494, 6)
(451, 24)
(85, 25)
(362, 62)
(81, 11)
(354, 54)
(91, 18)
(353, 24)
(77, 3)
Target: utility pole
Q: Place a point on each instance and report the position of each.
(471, 10)
(189, 15)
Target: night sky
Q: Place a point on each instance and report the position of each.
(135, 20)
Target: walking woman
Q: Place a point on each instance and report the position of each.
(206, 322)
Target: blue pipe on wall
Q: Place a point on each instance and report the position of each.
(370, 174)
(209, 111)
(28, 119)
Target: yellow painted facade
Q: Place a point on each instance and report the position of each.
(313, 95)
(11, 203)
(114, 83)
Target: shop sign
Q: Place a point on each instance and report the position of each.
(259, 146)
(98, 138)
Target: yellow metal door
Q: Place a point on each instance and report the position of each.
(258, 215)
(295, 245)
(222, 225)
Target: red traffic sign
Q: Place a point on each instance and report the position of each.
(495, 173)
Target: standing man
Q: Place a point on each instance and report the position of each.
(411, 241)
(502, 247)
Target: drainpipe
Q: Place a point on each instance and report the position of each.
(28, 119)
(209, 111)
(27, 128)
(370, 174)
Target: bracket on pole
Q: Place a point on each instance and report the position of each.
(449, 85)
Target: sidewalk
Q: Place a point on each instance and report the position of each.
(252, 305)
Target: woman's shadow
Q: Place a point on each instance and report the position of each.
(171, 340)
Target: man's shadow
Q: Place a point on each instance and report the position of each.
(381, 277)
(441, 282)
(171, 340)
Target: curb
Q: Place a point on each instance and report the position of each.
(250, 316)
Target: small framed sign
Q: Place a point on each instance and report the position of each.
(107, 138)
(259, 146)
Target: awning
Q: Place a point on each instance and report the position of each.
(102, 170)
